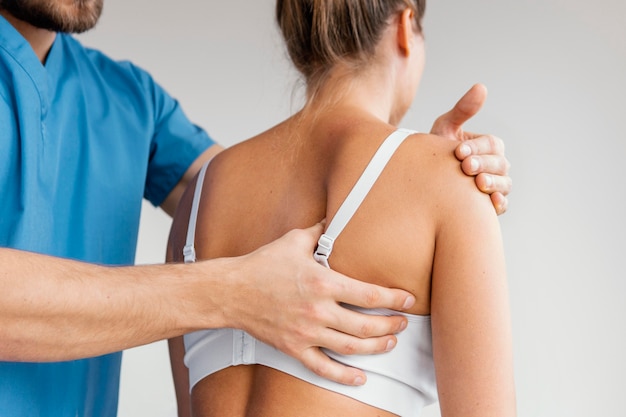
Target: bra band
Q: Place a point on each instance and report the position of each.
(358, 193)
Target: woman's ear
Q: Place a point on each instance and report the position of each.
(405, 31)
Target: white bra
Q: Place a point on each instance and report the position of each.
(401, 381)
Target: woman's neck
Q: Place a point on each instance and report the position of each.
(371, 91)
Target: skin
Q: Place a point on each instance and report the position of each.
(410, 233)
(57, 309)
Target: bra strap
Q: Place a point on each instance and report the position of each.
(358, 193)
(189, 251)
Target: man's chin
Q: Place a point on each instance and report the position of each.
(44, 14)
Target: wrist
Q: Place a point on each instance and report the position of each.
(205, 293)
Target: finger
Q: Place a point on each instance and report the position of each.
(305, 239)
(316, 230)
(481, 145)
(364, 326)
(494, 183)
(470, 104)
(466, 108)
(347, 344)
(500, 202)
(489, 164)
(314, 359)
(362, 294)
(465, 148)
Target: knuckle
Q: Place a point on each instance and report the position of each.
(497, 144)
(501, 146)
(509, 186)
(473, 146)
(297, 335)
(438, 122)
(292, 234)
(289, 348)
(315, 314)
(312, 282)
(298, 236)
(320, 285)
(320, 368)
(302, 331)
(349, 348)
(372, 297)
(366, 329)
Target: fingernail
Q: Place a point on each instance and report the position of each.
(390, 345)
(408, 303)
(465, 150)
(474, 165)
(402, 325)
(359, 380)
(488, 181)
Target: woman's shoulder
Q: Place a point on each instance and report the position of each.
(249, 152)
(426, 165)
(434, 154)
(435, 148)
(424, 156)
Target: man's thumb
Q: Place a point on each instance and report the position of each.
(470, 104)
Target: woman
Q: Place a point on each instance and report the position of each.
(405, 223)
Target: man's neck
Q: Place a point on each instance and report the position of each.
(40, 40)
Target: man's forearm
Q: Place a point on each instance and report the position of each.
(54, 309)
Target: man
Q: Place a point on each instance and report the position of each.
(82, 140)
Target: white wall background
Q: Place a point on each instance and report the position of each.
(556, 71)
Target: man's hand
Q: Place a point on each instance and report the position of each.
(480, 155)
(292, 303)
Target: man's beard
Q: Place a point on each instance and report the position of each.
(69, 16)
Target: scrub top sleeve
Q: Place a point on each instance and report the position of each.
(175, 145)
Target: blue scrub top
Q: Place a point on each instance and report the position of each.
(82, 140)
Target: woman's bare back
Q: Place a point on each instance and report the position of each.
(291, 177)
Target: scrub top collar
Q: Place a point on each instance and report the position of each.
(18, 48)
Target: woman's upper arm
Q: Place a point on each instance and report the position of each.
(180, 373)
(469, 306)
(172, 200)
(176, 345)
